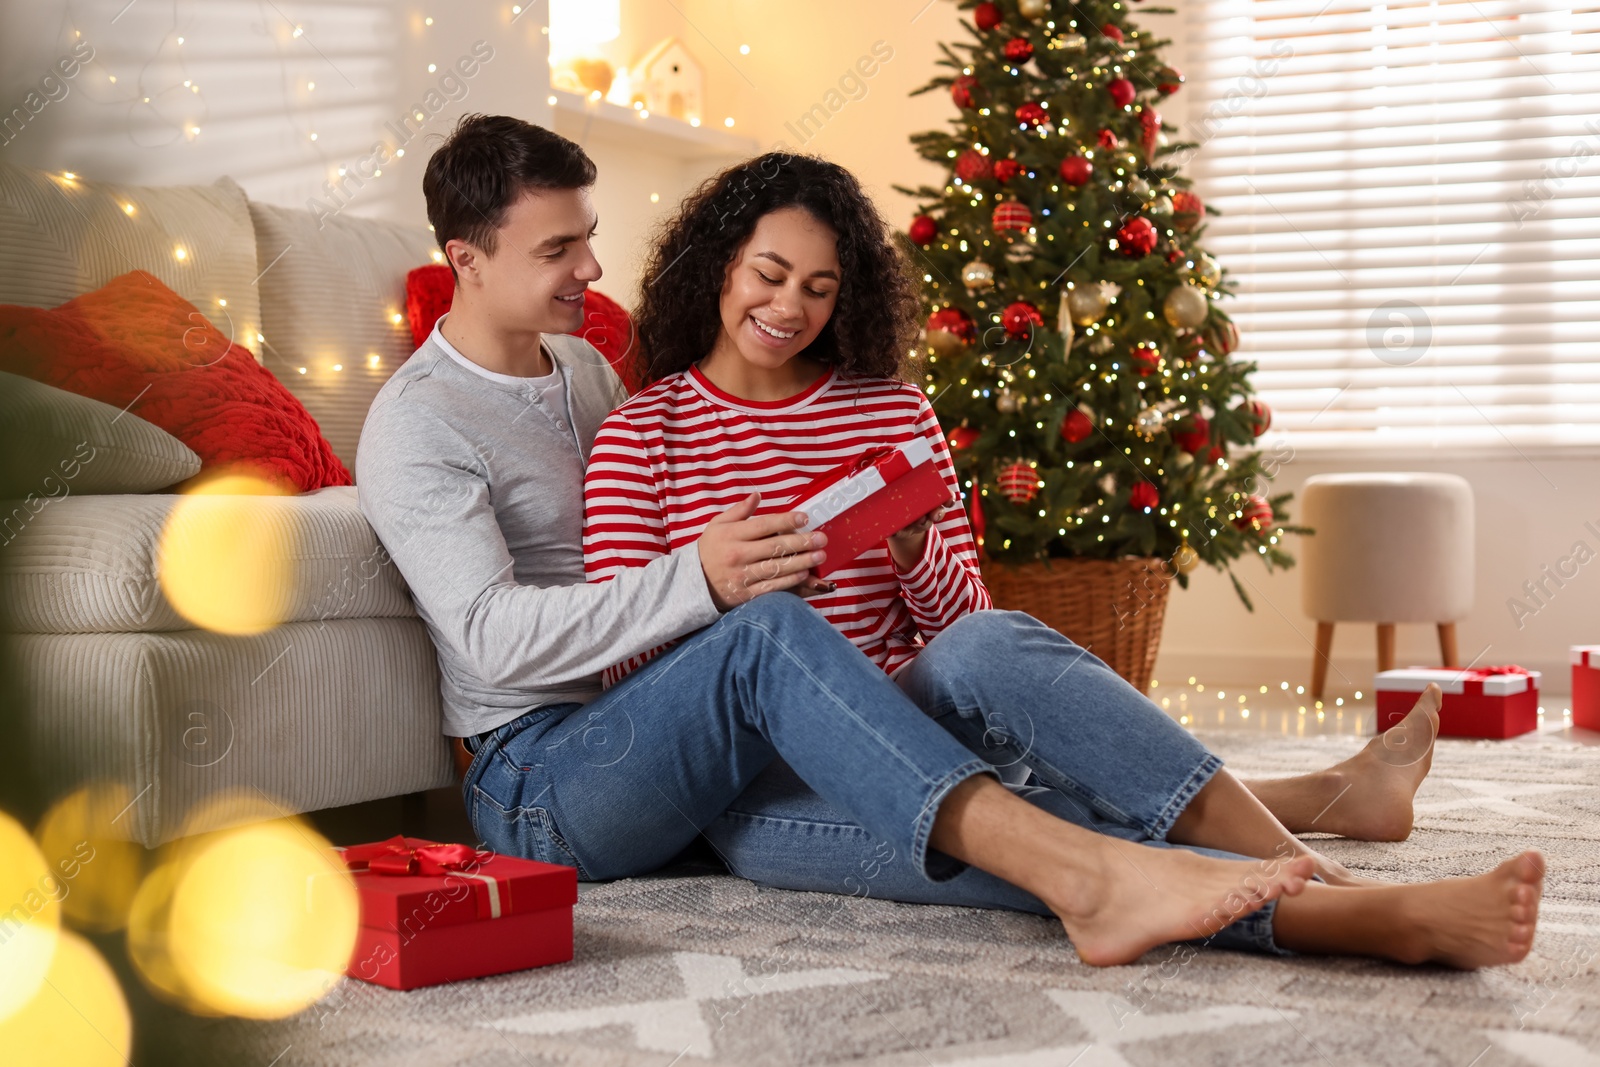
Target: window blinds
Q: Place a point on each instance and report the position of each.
(1411, 213)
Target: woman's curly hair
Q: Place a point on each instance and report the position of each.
(875, 320)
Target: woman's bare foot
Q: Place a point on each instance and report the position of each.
(1335, 873)
(1146, 896)
(1460, 922)
(1474, 922)
(1369, 796)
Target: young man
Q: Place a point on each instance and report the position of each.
(470, 469)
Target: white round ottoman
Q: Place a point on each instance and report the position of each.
(1388, 548)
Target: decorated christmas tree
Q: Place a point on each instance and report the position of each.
(1076, 354)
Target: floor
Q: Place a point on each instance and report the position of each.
(1278, 707)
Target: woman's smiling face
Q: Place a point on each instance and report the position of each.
(780, 288)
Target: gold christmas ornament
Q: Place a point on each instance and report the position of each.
(1207, 271)
(943, 342)
(1139, 187)
(1006, 401)
(1064, 323)
(1185, 307)
(977, 276)
(1149, 422)
(1086, 304)
(1161, 205)
(1033, 10)
(1185, 559)
(1182, 460)
(1071, 42)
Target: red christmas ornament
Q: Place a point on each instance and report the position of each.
(1214, 454)
(987, 16)
(1032, 114)
(973, 166)
(1076, 426)
(1011, 215)
(1260, 417)
(962, 437)
(1256, 513)
(1193, 346)
(1149, 129)
(1225, 338)
(1019, 50)
(1187, 210)
(961, 90)
(1174, 255)
(1121, 90)
(1006, 169)
(955, 321)
(1146, 359)
(1107, 140)
(922, 230)
(1112, 31)
(1168, 80)
(1075, 170)
(1137, 237)
(1193, 434)
(1144, 495)
(1020, 318)
(1018, 482)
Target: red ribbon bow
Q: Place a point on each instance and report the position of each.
(1486, 672)
(395, 857)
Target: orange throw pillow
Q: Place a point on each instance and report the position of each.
(137, 345)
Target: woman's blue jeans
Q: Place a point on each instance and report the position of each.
(806, 767)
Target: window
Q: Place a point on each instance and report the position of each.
(1410, 198)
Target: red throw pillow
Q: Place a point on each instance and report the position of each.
(135, 344)
(606, 324)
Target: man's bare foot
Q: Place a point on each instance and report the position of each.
(1473, 922)
(1147, 896)
(1375, 788)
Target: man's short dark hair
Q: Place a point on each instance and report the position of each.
(485, 165)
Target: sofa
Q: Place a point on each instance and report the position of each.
(336, 705)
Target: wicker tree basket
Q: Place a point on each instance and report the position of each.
(1113, 608)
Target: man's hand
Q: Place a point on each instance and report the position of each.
(907, 546)
(744, 557)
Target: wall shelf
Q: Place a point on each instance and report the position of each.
(580, 119)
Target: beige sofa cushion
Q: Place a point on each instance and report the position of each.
(89, 564)
(74, 445)
(202, 731)
(61, 238)
(333, 301)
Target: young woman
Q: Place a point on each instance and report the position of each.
(774, 320)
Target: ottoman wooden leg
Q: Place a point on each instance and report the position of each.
(1319, 659)
(1447, 644)
(1386, 646)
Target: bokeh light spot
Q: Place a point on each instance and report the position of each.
(78, 1017)
(30, 917)
(226, 555)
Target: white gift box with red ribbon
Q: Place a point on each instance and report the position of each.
(1586, 686)
(1495, 702)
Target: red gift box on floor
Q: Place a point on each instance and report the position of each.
(1494, 702)
(433, 913)
(1586, 686)
(863, 502)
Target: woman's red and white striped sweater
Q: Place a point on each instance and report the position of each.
(681, 452)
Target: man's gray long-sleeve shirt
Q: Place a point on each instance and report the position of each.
(475, 487)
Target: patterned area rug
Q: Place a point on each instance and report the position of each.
(709, 969)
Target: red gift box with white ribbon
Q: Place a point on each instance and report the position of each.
(1495, 702)
(433, 913)
(1586, 686)
(861, 503)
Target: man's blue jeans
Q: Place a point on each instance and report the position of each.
(806, 767)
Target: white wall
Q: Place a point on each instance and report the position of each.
(369, 62)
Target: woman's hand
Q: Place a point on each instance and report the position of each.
(907, 546)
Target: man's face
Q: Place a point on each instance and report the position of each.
(541, 266)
